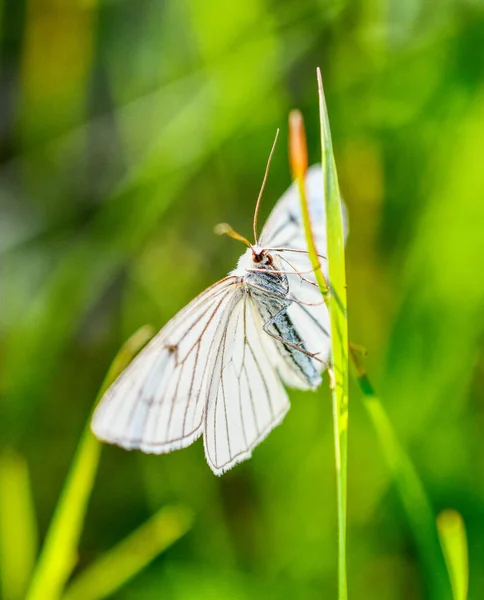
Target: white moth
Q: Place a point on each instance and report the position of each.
(217, 369)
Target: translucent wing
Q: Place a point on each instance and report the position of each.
(246, 398)
(158, 402)
(284, 229)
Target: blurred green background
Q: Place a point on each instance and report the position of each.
(128, 129)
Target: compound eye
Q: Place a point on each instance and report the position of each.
(268, 260)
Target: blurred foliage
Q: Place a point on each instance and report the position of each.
(128, 129)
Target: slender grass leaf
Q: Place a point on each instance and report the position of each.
(415, 501)
(129, 557)
(339, 328)
(59, 554)
(335, 298)
(453, 539)
(18, 528)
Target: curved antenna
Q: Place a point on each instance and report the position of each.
(256, 213)
(226, 229)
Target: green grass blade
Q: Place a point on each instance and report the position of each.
(339, 328)
(18, 528)
(335, 298)
(129, 557)
(415, 501)
(453, 539)
(59, 554)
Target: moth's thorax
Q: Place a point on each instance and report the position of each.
(262, 269)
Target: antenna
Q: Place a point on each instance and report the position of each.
(256, 213)
(226, 229)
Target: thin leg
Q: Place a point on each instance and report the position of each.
(293, 250)
(296, 272)
(285, 298)
(279, 338)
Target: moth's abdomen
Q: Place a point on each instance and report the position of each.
(296, 367)
(291, 359)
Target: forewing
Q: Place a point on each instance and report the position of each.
(246, 398)
(158, 403)
(285, 229)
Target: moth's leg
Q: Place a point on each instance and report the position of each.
(282, 298)
(300, 273)
(298, 346)
(294, 250)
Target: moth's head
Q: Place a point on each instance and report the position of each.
(254, 257)
(261, 256)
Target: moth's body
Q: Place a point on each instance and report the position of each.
(217, 369)
(263, 278)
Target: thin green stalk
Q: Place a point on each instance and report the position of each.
(415, 501)
(59, 553)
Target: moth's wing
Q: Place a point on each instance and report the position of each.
(284, 229)
(246, 398)
(157, 404)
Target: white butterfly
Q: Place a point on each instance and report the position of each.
(217, 368)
